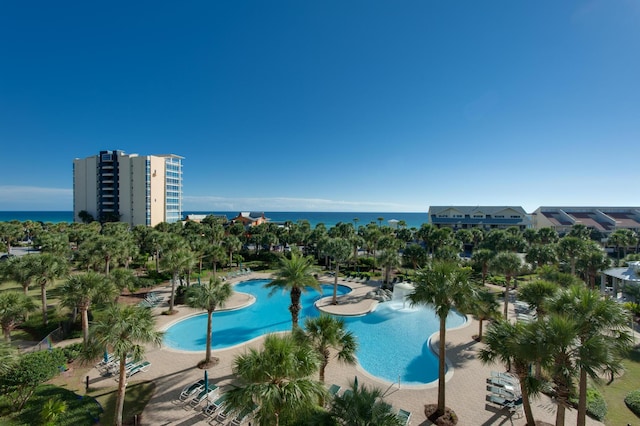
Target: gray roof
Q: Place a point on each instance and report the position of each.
(491, 210)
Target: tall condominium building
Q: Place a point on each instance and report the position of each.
(132, 188)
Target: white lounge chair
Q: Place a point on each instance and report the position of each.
(214, 406)
(189, 390)
(203, 394)
(404, 416)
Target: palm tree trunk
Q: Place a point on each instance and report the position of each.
(506, 296)
(480, 321)
(526, 404)
(173, 292)
(441, 366)
(207, 357)
(43, 297)
(334, 300)
(294, 308)
(84, 315)
(582, 398)
(122, 384)
(7, 334)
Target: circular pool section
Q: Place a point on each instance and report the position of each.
(269, 314)
(393, 339)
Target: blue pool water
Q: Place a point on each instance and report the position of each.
(392, 339)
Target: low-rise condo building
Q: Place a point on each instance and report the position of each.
(484, 217)
(602, 219)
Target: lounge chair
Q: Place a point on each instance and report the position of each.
(507, 384)
(505, 376)
(404, 416)
(347, 394)
(214, 406)
(189, 390)
(222, 415)
(503, 392)
(203, 394)
(334, 389)
(242, 416)
(142, 366)
(512, 404)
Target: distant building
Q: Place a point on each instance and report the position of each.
(249, 219)
(139, 190)
(602, 219)
(484, 217)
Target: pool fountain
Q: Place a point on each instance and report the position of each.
(401, 292)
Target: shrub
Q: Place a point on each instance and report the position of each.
(72, 351)
(596, 405)
(633, 401)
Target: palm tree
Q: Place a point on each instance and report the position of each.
(81, 290)
(177, 260)
(208, 297)
(339, 249)
(233, 244)
(560, 337)
(363, 407)
(389, 259)
(602, 324)
(296, 276)
(123, 279)
(482, 258)
(20, 270)
(517, 345)
(276, 379)
(415, 254)
(124, 330)
(571, 248)
(592, 261)
(485, 307)
(509, 264)
(14, 308)
(443, 286)
(47, 268)
(326, 333)
(538, 295)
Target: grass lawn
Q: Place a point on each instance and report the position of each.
(614, 394)
(137, 395)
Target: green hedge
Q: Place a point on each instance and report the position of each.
(633, 401)
(596, 405)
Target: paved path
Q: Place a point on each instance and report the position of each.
(465, 389)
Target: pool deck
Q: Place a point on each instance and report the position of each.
(172, 370)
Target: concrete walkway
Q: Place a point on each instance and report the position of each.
(172, 370)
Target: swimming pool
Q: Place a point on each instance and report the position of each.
(392, 339)
(269, 314)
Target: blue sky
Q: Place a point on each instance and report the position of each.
(328, 105)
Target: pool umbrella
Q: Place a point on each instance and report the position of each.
(105, 356)
(206, 383)
(355, 383)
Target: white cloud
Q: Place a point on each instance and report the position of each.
(209, 203)
(15, 197)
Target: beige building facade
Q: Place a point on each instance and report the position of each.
(139, 190)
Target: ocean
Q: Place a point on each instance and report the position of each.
(330, 219)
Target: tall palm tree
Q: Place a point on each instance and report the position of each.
(177, 260)
(295, 275)
(277, 380)
(326, 333)
(124, 330)
(444, 286)
(601, 323)
(123, 279)
(571, 248)
(339, 249)
(560, 337)
(363, 406)
(14, 308)
(517, 345)
(47, 268)
(389, 259)
(509, 264)
(485, 307)
(81, 290)
(208, 297)
(233, 245)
